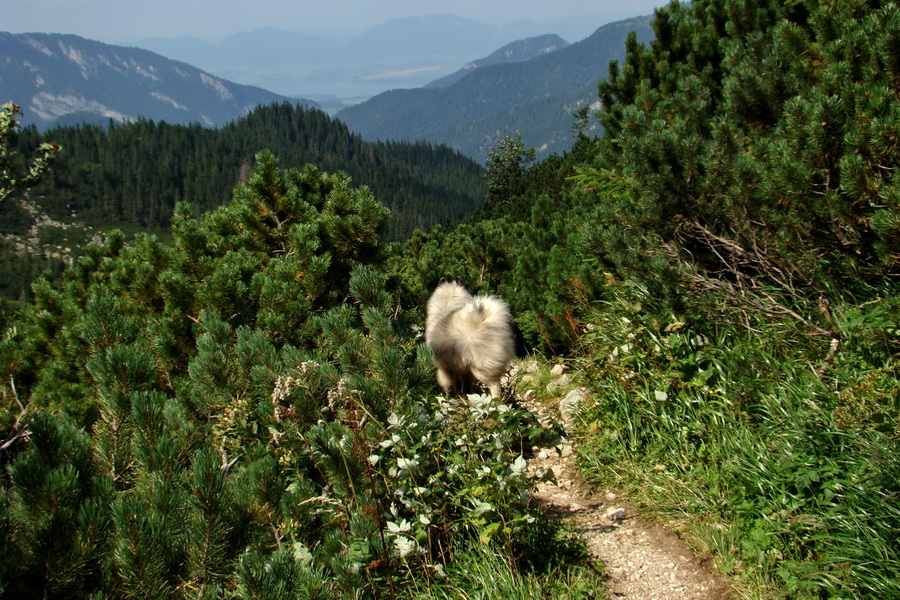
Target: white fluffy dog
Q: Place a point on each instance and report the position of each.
(471, 338)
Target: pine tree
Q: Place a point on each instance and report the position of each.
(745, 134)
(507, 164)
(53, 513)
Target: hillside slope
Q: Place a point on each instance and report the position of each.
(518, 51)
(132, 176)
(536, 97)
(66, 79)
(724, 263)
(249, 412)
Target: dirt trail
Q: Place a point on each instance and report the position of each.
(643, 561)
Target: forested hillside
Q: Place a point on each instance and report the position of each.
(248, 411)
(537, 97)
(132, 176)
(136, 173)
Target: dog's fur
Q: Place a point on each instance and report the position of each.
(471, 338)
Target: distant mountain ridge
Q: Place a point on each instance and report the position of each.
(537, 97)
(533, 85)
(66, 79)
(401, 53)
(518, 51)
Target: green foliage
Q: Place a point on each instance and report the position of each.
(507, 163)
(742, 347)
(481, 573)
(104, 180)
(53, 513)
(14, 174)
(476, 253)
(196, 418)
(722, 263)
(752, 135)
(744, 429)
(529, 244)
(456, 465)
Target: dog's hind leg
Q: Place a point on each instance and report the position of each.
(446, 381)
(491, 382)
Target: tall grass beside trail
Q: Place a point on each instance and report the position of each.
(783, 463)
(483, 574)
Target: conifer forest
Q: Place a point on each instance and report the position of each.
(230, 396)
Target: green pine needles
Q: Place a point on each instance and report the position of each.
(241, 413)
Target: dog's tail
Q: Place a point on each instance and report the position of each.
(484, 312)
(485, 325)
(488, 345)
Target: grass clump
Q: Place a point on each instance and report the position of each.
(480, 573)
(781, 460)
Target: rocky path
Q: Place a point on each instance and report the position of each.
(642, 560)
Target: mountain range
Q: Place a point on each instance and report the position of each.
(407, 52)
(532, 85)
(66, 79)
(537, 97)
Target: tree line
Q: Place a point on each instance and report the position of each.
(136, 173)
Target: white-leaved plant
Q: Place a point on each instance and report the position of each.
(455, 467)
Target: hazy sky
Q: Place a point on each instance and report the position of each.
(122, 21)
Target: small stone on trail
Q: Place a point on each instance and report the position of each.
(569, 405)
(559, 383)
(615, 514)
(610, 497)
